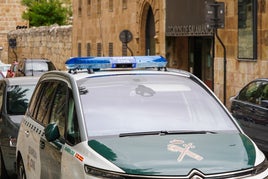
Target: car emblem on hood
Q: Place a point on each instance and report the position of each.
(184, 149)
(196, 177)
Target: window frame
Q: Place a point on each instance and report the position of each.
(34, 106)
(241, 17)
(251, 89)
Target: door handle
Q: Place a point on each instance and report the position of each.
(26, 133)
(252, 109)
(42, 144)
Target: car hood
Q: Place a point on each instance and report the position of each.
(177, 154)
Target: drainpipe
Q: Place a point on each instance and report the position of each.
(224, 66)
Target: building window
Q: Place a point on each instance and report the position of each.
(79, 7)
(111, 49)
(88, 7)
(124, 49)
(88, 49)
(79, 50)
(124, 4)
(98, 6)
(99, 49)
(111, 5)
(247, 29)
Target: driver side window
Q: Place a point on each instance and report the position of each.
(72, 129)
(251, 93)
(58, 107)
(265, 92)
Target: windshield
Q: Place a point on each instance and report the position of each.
(138, 103)
(18, 97)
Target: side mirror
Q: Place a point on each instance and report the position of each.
(52, 132)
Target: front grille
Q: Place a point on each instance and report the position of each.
(194, 174)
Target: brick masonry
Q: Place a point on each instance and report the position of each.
(11, 11)
(59, 43)
(51, 42)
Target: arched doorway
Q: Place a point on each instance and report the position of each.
(147, 32)
(150, 33)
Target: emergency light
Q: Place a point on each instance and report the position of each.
(95, 63)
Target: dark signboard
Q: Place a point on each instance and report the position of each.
(186, 18)
(215, 14)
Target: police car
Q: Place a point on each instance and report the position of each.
(131, 117)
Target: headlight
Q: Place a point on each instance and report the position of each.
(104, 174)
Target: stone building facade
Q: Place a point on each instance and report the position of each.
(144, 27)
(97, 25)
(10, 19)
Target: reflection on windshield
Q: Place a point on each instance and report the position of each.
(144, 91)
(141, 103)
(18, 98)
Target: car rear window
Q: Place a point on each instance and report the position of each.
(36, 68)
(138, 103)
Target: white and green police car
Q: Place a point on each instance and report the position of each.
(131, 117)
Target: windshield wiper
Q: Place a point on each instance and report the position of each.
(191, 132)
(140, 133)
(165, 133)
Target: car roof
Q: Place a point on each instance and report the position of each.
(261, 79)
(81, 75)
(80, 68)
(36, 59)
(24, 80)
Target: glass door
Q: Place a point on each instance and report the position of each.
(201, 58)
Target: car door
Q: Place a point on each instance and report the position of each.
(51, 152)
(32, 127)
(252, 116)
(243, 106)
(259, 115)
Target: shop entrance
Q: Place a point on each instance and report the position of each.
(201, 58)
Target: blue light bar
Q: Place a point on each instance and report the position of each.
(78, 63)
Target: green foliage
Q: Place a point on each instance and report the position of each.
(45, 12)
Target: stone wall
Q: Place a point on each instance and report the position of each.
(10, 19)
(51, 42)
